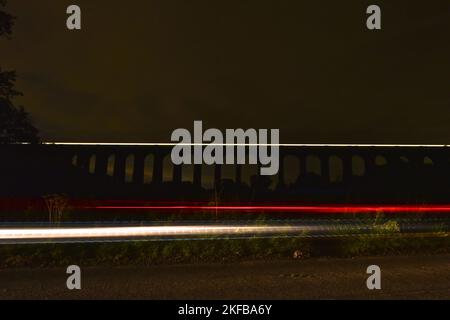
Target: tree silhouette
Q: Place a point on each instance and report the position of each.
(6, 21)
(15, 124)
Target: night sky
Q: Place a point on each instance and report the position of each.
(140, 69)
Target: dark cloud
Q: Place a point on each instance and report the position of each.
(140, 69)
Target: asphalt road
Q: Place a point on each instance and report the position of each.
(416, 277)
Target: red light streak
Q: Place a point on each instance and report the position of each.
(336, 209)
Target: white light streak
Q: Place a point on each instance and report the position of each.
(319, 145)
(126, 232)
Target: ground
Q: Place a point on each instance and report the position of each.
(416, 277)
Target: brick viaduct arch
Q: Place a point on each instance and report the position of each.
(332, 164)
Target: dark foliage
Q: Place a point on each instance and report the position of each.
(15, 124)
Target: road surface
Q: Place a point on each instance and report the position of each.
(416, 277)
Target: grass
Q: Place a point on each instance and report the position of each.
(148, 253)
(170, 252)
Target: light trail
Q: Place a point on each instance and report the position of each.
(145, 231)
(163, 144)
(156, 144)
(208, 230)
(330, 209)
